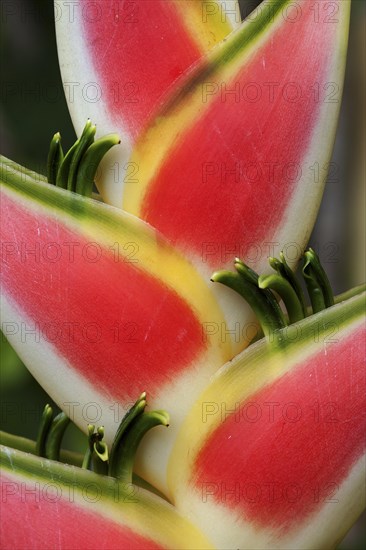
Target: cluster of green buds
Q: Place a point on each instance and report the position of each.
(259, 291)
(76, 169)
(118, 462)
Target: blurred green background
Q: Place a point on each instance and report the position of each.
(33, 108)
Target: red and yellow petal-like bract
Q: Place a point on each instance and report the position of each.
(100, 308)
(117, 59)
(276, 442)
(230, 163)
(46, 504)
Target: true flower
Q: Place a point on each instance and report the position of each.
(124, 303)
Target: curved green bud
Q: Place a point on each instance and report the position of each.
(287, 293)
(54, 159)
(43, 431)
(55, 435)
(66, 176)
(253, 277)
(85, 141)
(283, 269)
(90, 162)
(317, 282)
(64, 169)
(136, 410)
(128, 446)
(271, 318)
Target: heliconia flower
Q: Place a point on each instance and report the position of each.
(272, 455)
(233, 157)
(118, 58)
(106, 326)
(224, 153)
(99, 306)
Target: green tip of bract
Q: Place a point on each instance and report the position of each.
(264, 281)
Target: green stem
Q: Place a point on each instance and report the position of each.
(29, 446)
(349, 293)
(86, 465)
(87, 460)
(287, 293)
(17, 442)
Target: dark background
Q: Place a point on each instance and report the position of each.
(33, 108)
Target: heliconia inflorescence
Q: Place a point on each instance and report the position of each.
(236, 151)
(223, 132)
(232, 159)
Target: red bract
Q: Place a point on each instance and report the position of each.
(275, 442)
(128, 55)
(112, 306)
(227, 163)
(73, 508)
